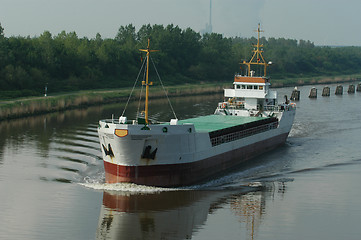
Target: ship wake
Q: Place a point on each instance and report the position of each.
(98, 183)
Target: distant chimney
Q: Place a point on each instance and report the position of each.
(208, 28)
(210, 16)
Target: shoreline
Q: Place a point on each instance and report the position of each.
(25, 107)
(19, 108)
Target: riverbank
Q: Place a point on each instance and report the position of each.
(24, 107)
(301, 81)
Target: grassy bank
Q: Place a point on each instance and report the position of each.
(38, 105)
(300, 81)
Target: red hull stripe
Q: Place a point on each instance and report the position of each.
(168, 175)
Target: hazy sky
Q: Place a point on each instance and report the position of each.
(324, 22)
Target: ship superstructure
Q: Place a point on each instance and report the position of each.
(251, 94)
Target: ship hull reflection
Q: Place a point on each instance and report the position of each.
(176, 214)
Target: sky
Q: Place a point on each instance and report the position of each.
(323, 22)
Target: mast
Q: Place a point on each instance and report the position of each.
(257, 58)
(146, 82)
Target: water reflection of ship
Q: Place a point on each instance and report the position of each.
(174, 215)
(251, 207)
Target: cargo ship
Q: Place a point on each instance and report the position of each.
(182, 152)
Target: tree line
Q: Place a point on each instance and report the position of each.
(66, 62)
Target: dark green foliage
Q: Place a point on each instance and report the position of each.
(66, 62)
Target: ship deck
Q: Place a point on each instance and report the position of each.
(213, 123)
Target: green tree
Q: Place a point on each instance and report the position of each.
(1, 31)
(126, 36)
(66, 62)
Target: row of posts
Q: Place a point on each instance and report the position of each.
(295, 96)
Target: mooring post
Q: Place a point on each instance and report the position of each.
(339, 90)
(358, 87)
(351, 89)
(313, 93)
(295, 95)
(326, 92)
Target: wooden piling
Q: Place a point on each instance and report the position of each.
(295, 95)
(326, 92)
(358, 89)
(313, 93)
(339, 90)
(351, 89)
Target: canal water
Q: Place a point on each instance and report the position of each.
(52, 180)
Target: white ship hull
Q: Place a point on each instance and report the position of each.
(182, 156)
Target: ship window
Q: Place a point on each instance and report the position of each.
(260, 87)
(243, 86)
(238, 86)
(249, 86)
(255, 87)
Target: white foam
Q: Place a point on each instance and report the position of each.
(98, 183)
(297, 130)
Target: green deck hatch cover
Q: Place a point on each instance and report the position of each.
(212, 123)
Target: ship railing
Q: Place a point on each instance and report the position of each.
(272, 108)
(110, 120)
(131, 122)
(117, 121)
(236, 106)
(287, 107)
(232, 106)
(242, 134)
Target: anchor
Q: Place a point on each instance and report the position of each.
(147, 154)
(108, 151)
